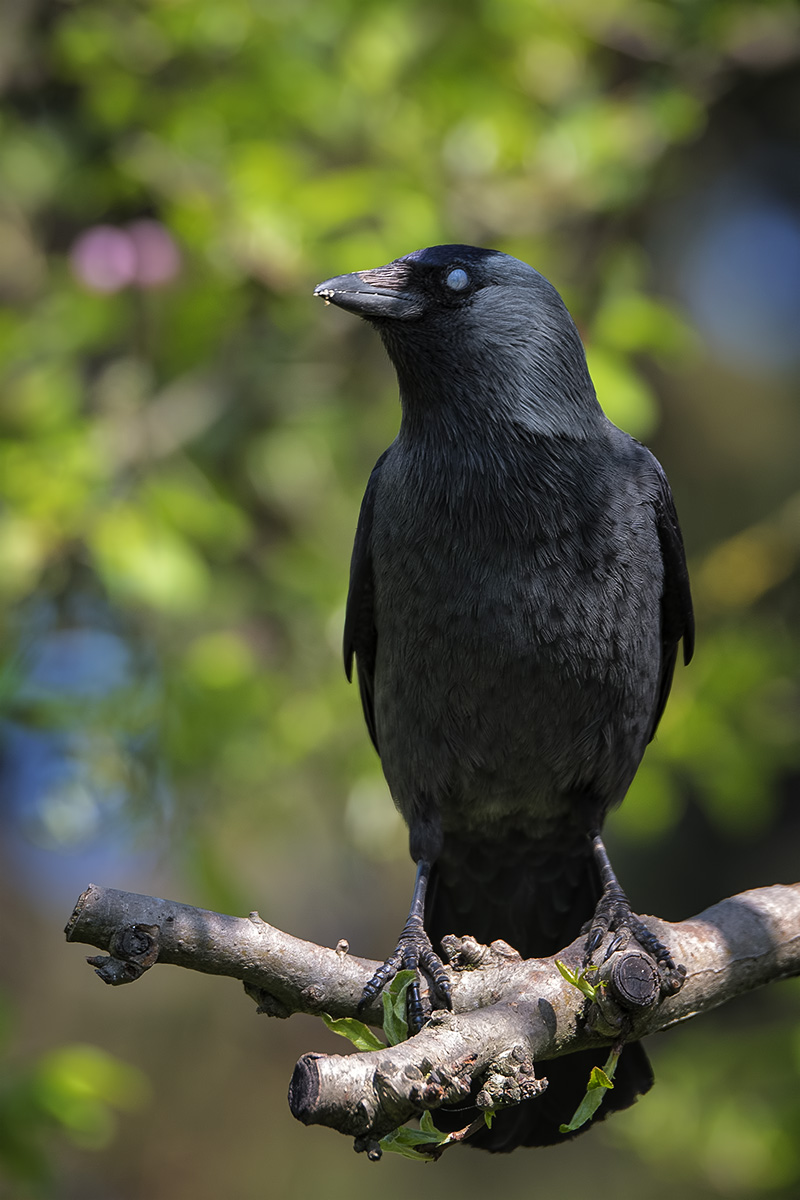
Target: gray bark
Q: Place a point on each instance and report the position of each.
(508, 1014)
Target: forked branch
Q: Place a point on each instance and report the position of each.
(508, 1014)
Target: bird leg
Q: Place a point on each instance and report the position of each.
(413, 952)
(614, 914)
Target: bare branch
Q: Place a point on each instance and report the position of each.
(507, 1013)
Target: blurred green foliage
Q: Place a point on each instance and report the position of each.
(73, 1091)
(728, 1116)
(181, 463)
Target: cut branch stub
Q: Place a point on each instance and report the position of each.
(314, 1102)
(634, 981)
(132, 951)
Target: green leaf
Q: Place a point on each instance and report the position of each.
(395, 1025)
(427, 1126)
(579, 979)
(355, 1031)
(408, 1142)
(599, 1083)
(411, 1142)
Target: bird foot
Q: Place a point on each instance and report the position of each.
(414, 952)
(615, 915)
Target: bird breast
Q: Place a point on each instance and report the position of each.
(518, 638)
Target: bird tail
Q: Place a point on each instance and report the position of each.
(536, 896)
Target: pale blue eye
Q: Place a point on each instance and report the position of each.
(457, 279)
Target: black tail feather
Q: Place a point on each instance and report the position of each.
(536, 897)
(537, 1122)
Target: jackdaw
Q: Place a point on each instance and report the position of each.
(518, 591)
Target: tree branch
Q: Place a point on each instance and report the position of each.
(508, 1014)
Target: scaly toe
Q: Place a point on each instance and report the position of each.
(413, 952)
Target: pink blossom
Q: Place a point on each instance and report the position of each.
(106, 258)
(157, 257)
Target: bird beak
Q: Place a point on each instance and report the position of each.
(383, 292)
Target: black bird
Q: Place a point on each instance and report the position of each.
(518, 591)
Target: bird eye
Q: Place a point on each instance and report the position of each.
(457, 279)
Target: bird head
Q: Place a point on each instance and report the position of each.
(478, 327)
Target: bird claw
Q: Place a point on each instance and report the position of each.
(618, 942)
(615, 915)
(414, 952)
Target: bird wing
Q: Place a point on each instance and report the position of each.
(360, 634)
(677, 616)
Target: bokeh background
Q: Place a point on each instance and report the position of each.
(184, 439)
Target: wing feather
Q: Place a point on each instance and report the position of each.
(677, 615)
(360, 634)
